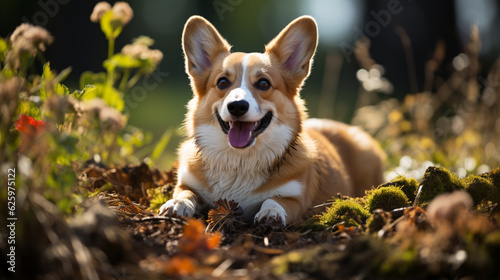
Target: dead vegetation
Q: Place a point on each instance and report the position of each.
(117, 236)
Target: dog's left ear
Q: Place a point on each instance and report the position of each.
(294, 48)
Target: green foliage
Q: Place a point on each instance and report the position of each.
(111, 26)
(157, 198)
(386, 198)
(162, 144)
(63, 128)
(349, 211)
(89, 78)
(3, 49)
(107, 93)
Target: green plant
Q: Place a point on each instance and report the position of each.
(57, 129)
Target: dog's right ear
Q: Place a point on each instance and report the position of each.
(202, 44)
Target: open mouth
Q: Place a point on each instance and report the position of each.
(243, 134)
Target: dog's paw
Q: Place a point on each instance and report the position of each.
(182, 207)
(271, 210)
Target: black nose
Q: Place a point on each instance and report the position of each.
(238, 108)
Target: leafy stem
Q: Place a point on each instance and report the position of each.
(111, 46)
(123, 83)
(134, 79)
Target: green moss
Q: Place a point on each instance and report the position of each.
(386, 198)
(478, 187)
(348, 211)
(438, 180)
(314, 223)
(408, 185)
(494, 176)
(481, 188)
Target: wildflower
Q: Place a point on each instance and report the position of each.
(28, 125)
(99, 10)
(123, 11)
(140, 50)
(108, 116)
(27, 39)
(35, 35)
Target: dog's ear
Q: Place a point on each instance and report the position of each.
(202, 44)
(294, 48)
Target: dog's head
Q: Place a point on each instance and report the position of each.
(247, 99)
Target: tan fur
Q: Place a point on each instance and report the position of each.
(295, 163)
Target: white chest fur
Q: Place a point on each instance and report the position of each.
(234, 174)
(239, 188)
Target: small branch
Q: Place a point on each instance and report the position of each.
(158, 218)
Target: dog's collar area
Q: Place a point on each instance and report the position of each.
(260, 126)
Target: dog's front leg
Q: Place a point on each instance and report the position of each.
(284, 209)
(183, 204)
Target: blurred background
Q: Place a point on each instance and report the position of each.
(404, 42)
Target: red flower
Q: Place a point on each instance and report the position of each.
(28, 125)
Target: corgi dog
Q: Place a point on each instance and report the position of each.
(248, 136)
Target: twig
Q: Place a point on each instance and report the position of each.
(222, 268)
(323, 204)
(158, 218)
(418, 194)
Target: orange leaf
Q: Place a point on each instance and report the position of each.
(341, 227)
(194, 230)
(213, 241)
(180, 265)
(195, 239)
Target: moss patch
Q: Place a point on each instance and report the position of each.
(386, 198)
(348, 211)
(314, 223)
(478, 187)
(408, 185)
(438, 180)
(494, 177)
(481, 188)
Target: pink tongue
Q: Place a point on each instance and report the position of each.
(240, 133)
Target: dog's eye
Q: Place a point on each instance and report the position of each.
(223, 83)
(263, 84)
